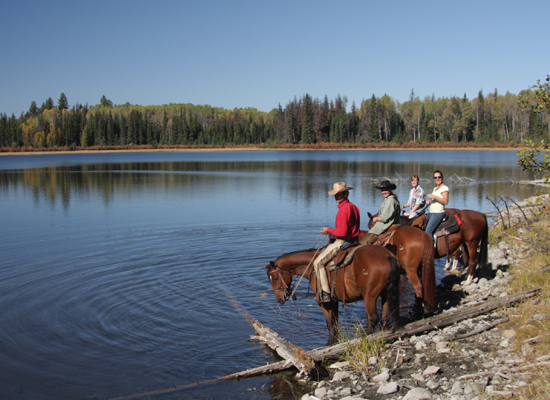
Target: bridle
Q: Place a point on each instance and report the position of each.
(277, 273)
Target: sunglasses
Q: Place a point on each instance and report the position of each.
(438, 177)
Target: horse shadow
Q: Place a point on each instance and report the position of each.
(448, 296)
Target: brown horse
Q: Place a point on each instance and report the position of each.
(373, 272)
(415, 251)
(473, 232)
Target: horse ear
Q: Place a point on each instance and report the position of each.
(369, 214)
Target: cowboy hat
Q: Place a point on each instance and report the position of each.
(338, 187)
(386, 185)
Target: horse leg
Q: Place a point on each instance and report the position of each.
(472, 250)
(372, 315)
(448, 262)
(412, 273)
(330, 311)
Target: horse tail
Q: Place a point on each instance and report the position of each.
(483, 246)
(428, 274)
(392, 288)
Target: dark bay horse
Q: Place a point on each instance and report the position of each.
(473, 232)
(415, 251)
(374, 272)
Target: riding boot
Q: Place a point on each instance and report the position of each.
(325, 296)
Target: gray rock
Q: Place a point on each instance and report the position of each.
(340, 376)
(320, 392)
(431, 370)
(387, 388)
(458, 388)
(418, 394)
(417, 377)
(340, 365)
(373, 360)
(441, 347)
(419, 345)
(345, 392)
(384, 376)
(471, 288)
(432, 384)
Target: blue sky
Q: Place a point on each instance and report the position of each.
(259, 54)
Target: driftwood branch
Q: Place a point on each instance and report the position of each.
(297, 356)
(498, 210)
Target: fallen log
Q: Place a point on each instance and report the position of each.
(414, 328)
(297, 356)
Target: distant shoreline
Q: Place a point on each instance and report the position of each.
(237, 148)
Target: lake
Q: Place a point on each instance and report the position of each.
(124, 273)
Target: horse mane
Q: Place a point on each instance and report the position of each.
(294, 252)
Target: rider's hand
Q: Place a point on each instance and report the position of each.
(324, 231)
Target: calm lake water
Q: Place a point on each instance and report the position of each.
(125, 273)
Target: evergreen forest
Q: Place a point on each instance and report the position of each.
(487, 119)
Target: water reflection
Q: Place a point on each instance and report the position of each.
(305, 178)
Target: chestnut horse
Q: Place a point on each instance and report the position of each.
(473, 232)
(373, 272)
(415, 251)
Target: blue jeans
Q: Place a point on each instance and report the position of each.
(434, 219)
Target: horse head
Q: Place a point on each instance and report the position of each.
(281, 280)
(371, 223)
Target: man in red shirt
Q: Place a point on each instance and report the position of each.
(346, 230)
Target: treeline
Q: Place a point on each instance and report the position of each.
(491, 118)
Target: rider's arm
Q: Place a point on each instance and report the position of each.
(443, 199)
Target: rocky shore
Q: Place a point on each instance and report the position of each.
(473, 359)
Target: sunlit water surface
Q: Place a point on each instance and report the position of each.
(125, 273)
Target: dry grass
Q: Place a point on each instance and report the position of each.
(533, 335)
(359, 352)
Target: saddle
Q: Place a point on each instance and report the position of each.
(450, 224)
(384, 238)
(346, 253)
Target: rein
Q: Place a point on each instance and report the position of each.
(309, 265)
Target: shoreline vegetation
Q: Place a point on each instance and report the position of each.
(495, 146)
(492, 120)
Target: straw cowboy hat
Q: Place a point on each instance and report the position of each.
(386, 185)
(338, 187)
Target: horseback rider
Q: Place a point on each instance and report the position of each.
(388, 214)
(346, 230)
(416, 199)
(437, 200)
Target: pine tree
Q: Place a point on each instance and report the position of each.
(33, 109)
(307, 121)
(62, 103)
